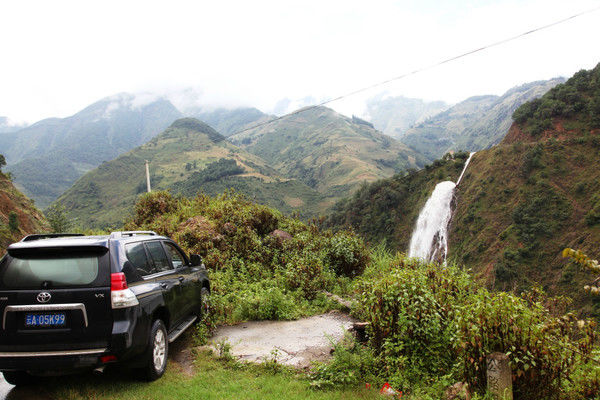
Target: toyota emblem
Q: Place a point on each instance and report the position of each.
(43, 297)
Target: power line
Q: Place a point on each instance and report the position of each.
(419, 70)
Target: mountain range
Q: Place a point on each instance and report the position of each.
(188, 158)
(301, 163)
(474, 124)
(329, 152)
(46, 158)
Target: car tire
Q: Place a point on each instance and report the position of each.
(18, 378)
(204, 303)
(155, 358)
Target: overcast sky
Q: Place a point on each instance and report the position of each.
(60, 56)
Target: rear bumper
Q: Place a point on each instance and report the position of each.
(50, 360)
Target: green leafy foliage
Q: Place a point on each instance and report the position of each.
(13, 221)
(593, 216)
(352, 364)
(213, 172)
(539, 346)
(432, 323)
(411, 308)
(58, 218)
(263, 264)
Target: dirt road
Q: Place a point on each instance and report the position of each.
(296, 343)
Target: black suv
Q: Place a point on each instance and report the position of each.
(70, 301)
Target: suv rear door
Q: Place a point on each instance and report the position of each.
(55, 299)
(168, 279)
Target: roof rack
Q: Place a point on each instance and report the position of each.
(39, 236)
(120, 234)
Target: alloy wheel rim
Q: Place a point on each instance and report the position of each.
(159, 350)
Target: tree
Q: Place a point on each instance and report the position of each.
(2, 162)
(13, 221)
(586, 262)
(58, 218)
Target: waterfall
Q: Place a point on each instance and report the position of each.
(429, 240)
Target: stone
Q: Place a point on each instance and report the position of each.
(499, 376)
(459, 390)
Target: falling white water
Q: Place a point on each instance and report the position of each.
(429, 240)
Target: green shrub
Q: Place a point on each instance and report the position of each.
(13, 221)
(58, 218)
(411, 309)
(536, 343)
(262, 264)
(593, 216)
(150, 205)
(352, 364)
(347, 254)
(258, 304)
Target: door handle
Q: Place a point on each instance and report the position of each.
(163, 285)
(181, 279)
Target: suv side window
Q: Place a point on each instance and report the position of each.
(136, 254)
(159, 257)
(176, 256)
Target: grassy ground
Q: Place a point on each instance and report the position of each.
(211, 379)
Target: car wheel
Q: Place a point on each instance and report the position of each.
(155, 359)
(18, 378)
(204, 302)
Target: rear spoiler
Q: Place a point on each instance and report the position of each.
(39, 236)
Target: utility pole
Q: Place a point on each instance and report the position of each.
(148, 177)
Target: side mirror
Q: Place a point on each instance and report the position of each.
(195, 260)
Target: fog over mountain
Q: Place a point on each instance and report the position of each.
(6, 125)
(394, 115)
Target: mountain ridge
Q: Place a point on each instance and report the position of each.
(188, 157)
(476, 123)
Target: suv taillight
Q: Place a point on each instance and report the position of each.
(120, 295)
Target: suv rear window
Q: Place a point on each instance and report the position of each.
(49, 271)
